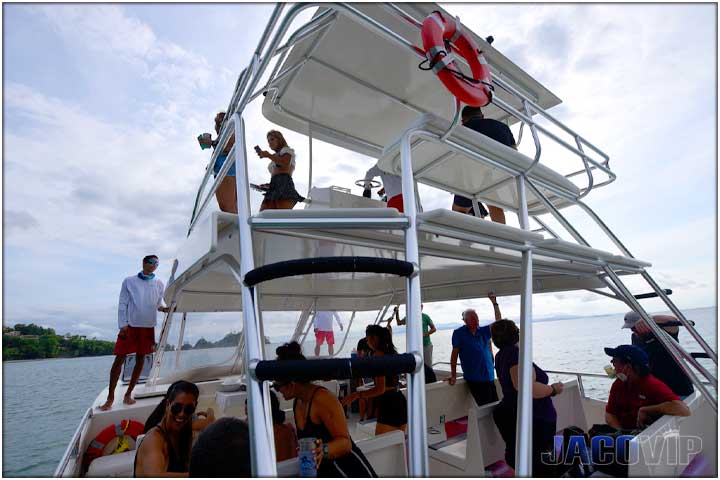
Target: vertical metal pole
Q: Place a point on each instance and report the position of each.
(310, 145)
(524, 427)
(262, 444)
(155, 370)
(180, 340)
(417, 422)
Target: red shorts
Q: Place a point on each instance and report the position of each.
(396, 202)
(138, 340)
(322, 335)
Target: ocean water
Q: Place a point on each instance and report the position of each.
(44, 400)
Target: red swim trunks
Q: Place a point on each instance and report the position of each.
(396, 202)
(138, 340)
(322, 335)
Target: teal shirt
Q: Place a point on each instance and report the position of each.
(426, 328)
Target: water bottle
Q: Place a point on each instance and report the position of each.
(306, 457)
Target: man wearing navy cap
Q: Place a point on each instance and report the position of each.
(637, 398)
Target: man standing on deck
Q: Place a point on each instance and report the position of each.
(471, 343)
(141, 297)
(324, 330)
(472, 118)
(428, 329)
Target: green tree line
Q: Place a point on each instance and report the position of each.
(49, 344)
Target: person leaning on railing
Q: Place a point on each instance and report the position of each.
(280, 192)
(226, 193)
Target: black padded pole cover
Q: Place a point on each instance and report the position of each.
(306, 266)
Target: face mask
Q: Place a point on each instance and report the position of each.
(621, 376)
(146, 277)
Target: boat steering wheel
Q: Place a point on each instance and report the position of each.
(373, 183)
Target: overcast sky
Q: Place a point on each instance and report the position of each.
(103, 103)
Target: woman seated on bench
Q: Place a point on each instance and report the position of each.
(165, 450)
(319, 415)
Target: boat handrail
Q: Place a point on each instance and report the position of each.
(250, 76)
(73, 448)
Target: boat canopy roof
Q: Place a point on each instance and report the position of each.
(359, 89)
(206, 276)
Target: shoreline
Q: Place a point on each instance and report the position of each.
(53, 358)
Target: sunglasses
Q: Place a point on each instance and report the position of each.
(176, 408)
(152, 261)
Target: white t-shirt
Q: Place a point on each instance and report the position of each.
(283, 151)
(391, 183)
(324, 319)
(139, 302)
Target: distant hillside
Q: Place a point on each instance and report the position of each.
(29, 342)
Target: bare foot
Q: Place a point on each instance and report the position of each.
(128, 400)
(107, 405)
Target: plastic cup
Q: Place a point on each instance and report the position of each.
(306, 457)
(610, 371)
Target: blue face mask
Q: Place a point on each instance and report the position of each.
(146, 277)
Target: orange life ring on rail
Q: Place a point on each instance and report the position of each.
(126, 428)
(440, 36)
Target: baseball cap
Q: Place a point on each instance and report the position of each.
(631, 318)
(629, 354)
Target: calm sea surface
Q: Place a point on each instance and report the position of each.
(44, 400)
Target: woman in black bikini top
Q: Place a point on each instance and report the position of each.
(319, 415)
(165, 450)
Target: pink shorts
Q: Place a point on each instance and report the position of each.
(322, 335)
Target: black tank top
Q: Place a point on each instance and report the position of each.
(176, 463)
(354, 464)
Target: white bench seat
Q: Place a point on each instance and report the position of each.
(470, 225)
(565, 247)
(448, 167)
(381, 218)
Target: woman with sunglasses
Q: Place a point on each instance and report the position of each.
(165, 450)
(281, 193)
(319, 415)
(391, 404)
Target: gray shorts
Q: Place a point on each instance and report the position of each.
(427, 353)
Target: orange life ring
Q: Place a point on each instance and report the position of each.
(439, 37)
(130, 428)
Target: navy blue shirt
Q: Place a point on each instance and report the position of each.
(475, 358)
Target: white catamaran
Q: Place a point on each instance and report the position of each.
(349, 253)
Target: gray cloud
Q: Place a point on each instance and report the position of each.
(19, 220)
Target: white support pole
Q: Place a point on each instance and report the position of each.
(417, 422)
(523, 432)
(180, 340)
(262, 443)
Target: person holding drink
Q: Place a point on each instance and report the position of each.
(226, 193)
(321, 427)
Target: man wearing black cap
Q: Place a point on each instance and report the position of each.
(637, 398)
(662, 364)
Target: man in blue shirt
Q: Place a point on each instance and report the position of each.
(472, 343)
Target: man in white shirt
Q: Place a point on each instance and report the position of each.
(392, 185)
(141, 297)
(324, 330)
